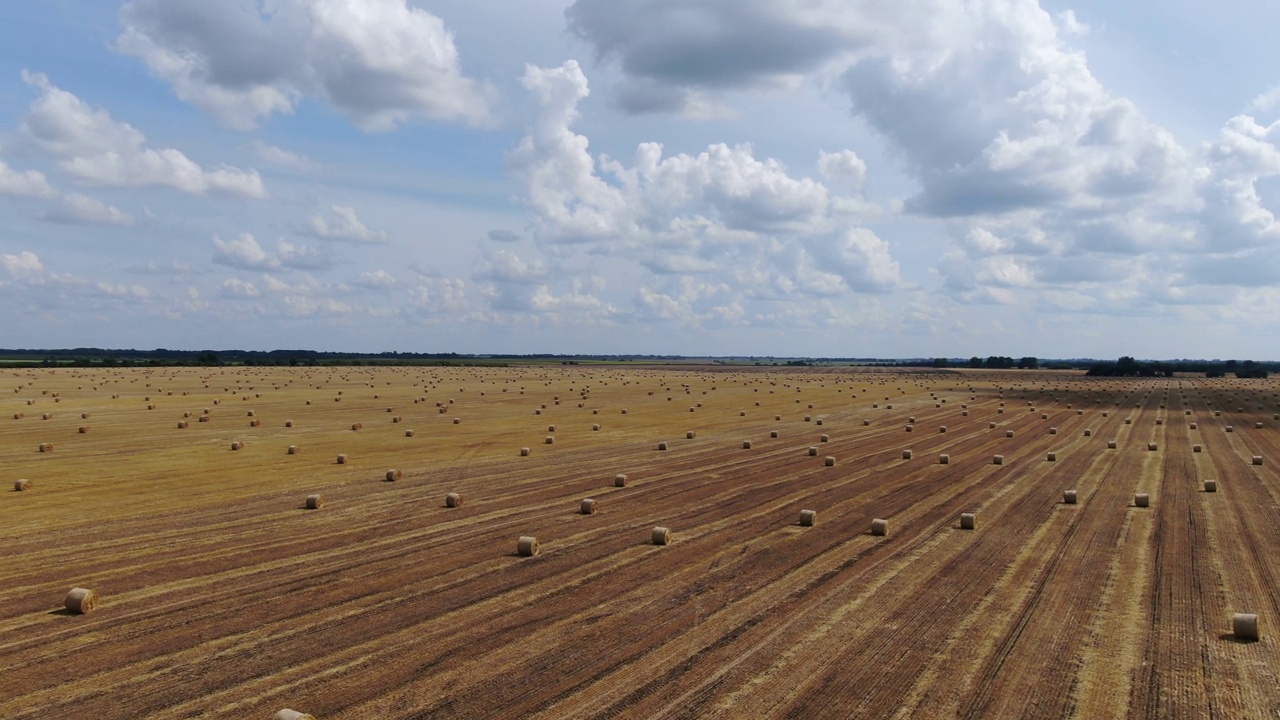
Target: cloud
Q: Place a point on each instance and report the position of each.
(95, 149)
(376, 280)
(235, 288)
(381, 62)
(244, 253)
(281, 157)
(1070, 24)
(25, 265)
(345, 226)
(78, 209)
(28, 183)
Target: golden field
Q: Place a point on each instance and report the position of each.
(222, 596)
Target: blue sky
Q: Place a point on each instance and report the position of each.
(729, 177)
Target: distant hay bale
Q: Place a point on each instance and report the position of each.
(85, 416)
(551, 440)
(315, 502)
(1141, 500)
(524, 452)
(1044, 416)
(742, 413)
(1195, 448)
(818, 421)
(991, 426)
(624, 411)
(1052, 457)
(49, 416)
(255, 422)
(551, 428)
(879, 527)
(662, 445)
(1194, 426)
(824, 438)
(746, 444)
(81, 600)
(1210, 486)
(1088, 432)
(287, 714)
(1128, 421)
(342, 459)
(394, 475)
(968, 521)
(944, 459)
(1257, 426)
(250, 413)
(906, 454)
(357, 426)
(620, 480)
(20, 485)
(587, 507)
(1257, 459)
(453, 500)
(1152, 447)
(830, 461)
(1069, 497)
(1231, 428)
(942, 429)
(807, 418)
(908, 428)
(998, 460)
(457, 421)
(660, 536)
(237, 445)
(1159, 421)
(773, 433)
(866, 423)
(690, 435)
(808, 518)
(1245, 626)
(1111, 444)
(408, 433)
(1053, 431)
(293, 450)
(1008, 433)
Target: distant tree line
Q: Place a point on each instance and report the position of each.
(1126, 366)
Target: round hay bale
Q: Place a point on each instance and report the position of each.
(528, 546)
(587, 507)
(595, 427)
(866, 423)
(991, 426)
(998, 460)
(46, 447)
(818, 421)
(746, 444)
(81, 600)
(906, 454)
(342, 459)
(808, 518)
(1069, 497)
(620, 480)
(315, 502)
(1231, 428)
(1088, 432)
(742, 413)
(824, 438)
(944, 459)
(457, 421)
(357, 426)
(394, 475)
(287, 714)
(551, 440)
(1053, 431)
(1052, 457)
(288, 423)
(968, 521)
(879, 527)
(1257, 459)
(830, 461)
(773, 433)
(1128, 421)
(1245, 626)
(524, 452)
(255, 423)
(84, 416)
(408, 433)
(660, 536)
(293, 450)
(942, 429)
(1141, 500)
(1044, 416)
(551, 428)
(908, 428)
(689, 435)
(1211, 486)
(813, 451)
(1008, 433)
(237, 445)
(453, 500)
(1152, 447)
(20, 485)
(1159, 421)
(1111, 444)
(1194, 426)
(1195, 448)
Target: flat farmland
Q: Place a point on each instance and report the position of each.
(223, 596)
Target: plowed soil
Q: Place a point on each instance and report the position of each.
(222, 596)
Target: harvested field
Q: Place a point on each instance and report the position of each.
(221, 596)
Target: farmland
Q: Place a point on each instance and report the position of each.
(222, 596)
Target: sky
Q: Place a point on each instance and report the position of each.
(821, 178)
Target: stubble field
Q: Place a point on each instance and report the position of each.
(222, 596)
